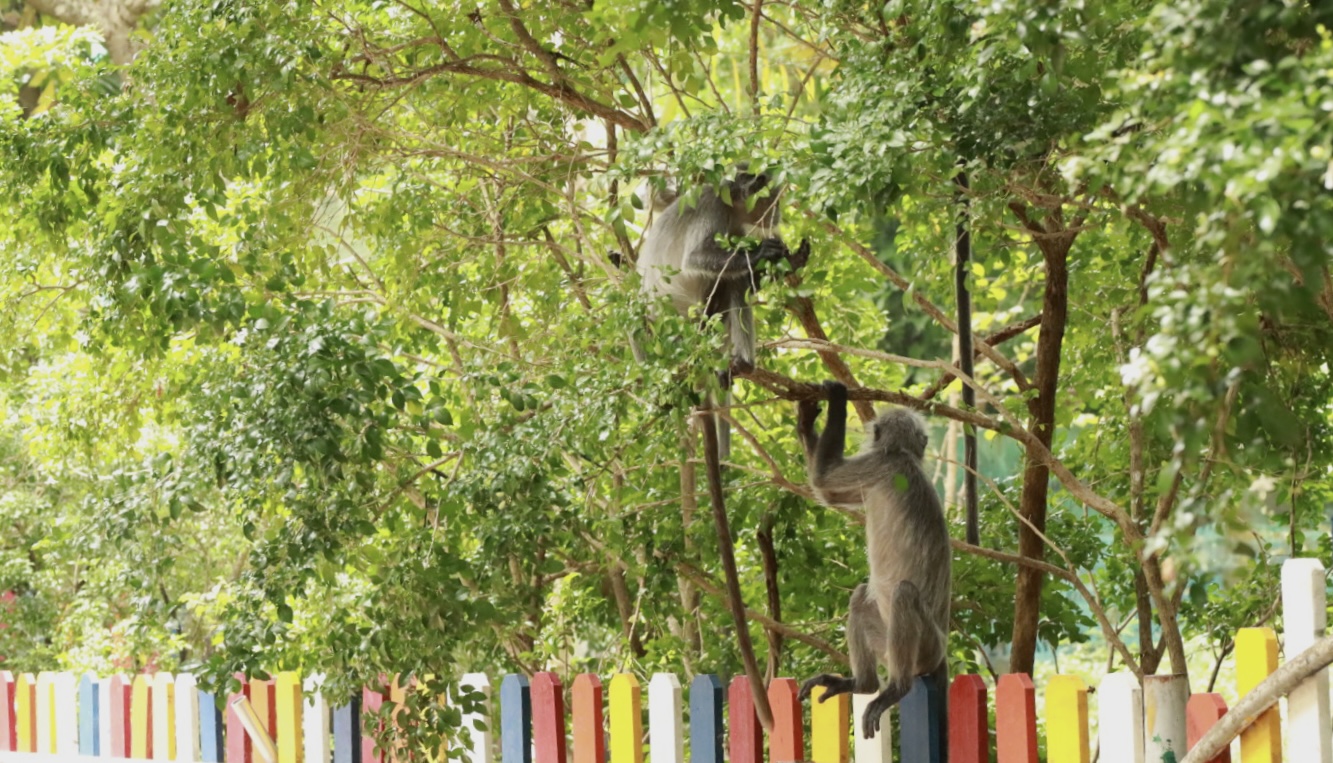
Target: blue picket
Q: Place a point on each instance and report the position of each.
(706, 704)
(919, 716)
(88, 716)
(211, 748)
(347, 731)
(515, 720)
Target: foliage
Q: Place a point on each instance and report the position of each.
(313, 356)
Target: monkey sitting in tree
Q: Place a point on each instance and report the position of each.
(685, 255)
(900, 617)
(682, 256)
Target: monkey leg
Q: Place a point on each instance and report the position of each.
(865, 641)
(914, 649)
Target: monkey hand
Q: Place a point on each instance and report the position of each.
(798, 258)
(806, 413)
(770, 250)
(836, 392)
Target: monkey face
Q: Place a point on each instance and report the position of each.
(756, 203)
(900, 429)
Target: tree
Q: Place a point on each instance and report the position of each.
(344, 271)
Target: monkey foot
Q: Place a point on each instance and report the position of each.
(833, 686)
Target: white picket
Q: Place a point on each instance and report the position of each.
(65, 713)
(1304, 618)
(1164, 700)
(187, 718)
(315, 722)
(877, 750)
(163, 701)
(104, 718)
(477, 724)
(45, 742)
(1120, 718)
(666, 727)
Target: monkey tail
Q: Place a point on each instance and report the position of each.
(722, 400)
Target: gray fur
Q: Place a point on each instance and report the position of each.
(681, 257)
(900, 617)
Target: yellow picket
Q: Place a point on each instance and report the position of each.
(828, 728)
(141, 718)
(1256, 659)
(626, 719)
(1067, 720)
(25, 715)
(289, 736)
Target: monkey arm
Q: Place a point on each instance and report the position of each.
(833, 440)
(718, 261)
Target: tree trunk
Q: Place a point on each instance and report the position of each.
(1036, 475)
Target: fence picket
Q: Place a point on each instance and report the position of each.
(65, 713)
(1304, 617)
(479, 723)
(828, 729)
(119, 689)
(1256, 658)
(548, 718)
(1202, 712)
(969, 732)
(920, 714)
(211, 747)
(1120, 718)
(666, 725)
(786, 743)
(1164, 699)
(162, 708)
(186, 723)
(371, 702)
(878, 749)
(347, 731)
(747, 738)
(141, 717)
(88, 716)
(25, 712)
(44, 713)
(589, 734)
(626, 719)
(315, 721)
(706, 719)
(515, 719)
(287, 717)
(1016, 719)
(1067, 720)
(8, 736)
(239, 749)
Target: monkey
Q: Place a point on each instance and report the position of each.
(900, 616)
(682, 258)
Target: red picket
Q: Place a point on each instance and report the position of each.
(1201, 712)
(7, 730)
(371, 702)
(1016, 719)
(787, 742)
(747, 738)
(548, 718)
(589, 734)
(120, 716)
(239, 749)
(969, 735)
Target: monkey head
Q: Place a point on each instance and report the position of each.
(760, 217)
(900, 430)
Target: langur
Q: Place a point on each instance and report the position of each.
(683, 258)
(900, 617)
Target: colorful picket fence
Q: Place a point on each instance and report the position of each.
(58, 718)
